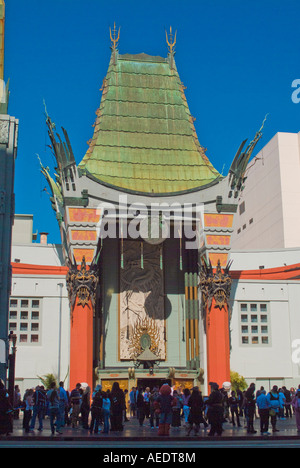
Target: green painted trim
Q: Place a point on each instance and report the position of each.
(150, 194)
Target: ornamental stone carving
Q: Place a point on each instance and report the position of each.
(215, 285)
(82, 284)
(4, 131)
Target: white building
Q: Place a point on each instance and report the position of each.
(39, 308)
(265, 322)
(269, 206)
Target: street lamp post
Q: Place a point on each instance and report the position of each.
(12, 366)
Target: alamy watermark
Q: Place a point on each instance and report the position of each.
(296, 351)
(296, 93)
(154, 223)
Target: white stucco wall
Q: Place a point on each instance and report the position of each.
(274, 361)
(272, 197)
(269, 258)
(47, 356)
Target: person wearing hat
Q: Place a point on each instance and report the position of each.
(215, 410)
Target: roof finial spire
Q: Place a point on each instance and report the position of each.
(171, 40)
(114, 37)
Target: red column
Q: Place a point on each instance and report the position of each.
(81, 345)
(218, 348)
(82, 287)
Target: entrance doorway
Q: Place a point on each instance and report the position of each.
(151, 383)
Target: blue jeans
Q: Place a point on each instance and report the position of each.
(62, 407)
(106, 421)
(54, 415)
(165, 418)
(95, 421)
(186, 412)
(38, 411)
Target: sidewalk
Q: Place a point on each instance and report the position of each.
(132, 431)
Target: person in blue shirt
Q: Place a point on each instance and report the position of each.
(39, 407)
(63, 403)
(106, 412)
(263, 405)
(132, 401)
(53, 398)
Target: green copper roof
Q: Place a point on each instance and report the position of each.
(144, 137)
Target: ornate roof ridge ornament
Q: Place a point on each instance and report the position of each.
(114, 37)
(171, 41)
(239, 164)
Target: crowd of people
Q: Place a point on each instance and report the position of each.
(162, 408)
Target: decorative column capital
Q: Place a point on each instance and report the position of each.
(82, 284)
(215, 285)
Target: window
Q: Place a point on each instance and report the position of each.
(254, 319)
(13, 303)
(242, 208)
(25, 320)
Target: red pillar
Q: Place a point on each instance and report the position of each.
(82, 287)
(218, 348)
(81, 345)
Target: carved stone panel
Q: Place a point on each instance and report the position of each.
(4, 131)
(141, 301)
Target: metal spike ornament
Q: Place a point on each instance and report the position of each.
(171, 41)
(114, 37)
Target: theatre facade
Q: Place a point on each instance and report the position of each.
(145, 287)
(146, 224)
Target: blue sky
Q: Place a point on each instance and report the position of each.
(238, 60)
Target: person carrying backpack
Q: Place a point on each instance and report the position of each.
(274, 404)
(39, 407)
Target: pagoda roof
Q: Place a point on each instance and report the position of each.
(144, 137)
